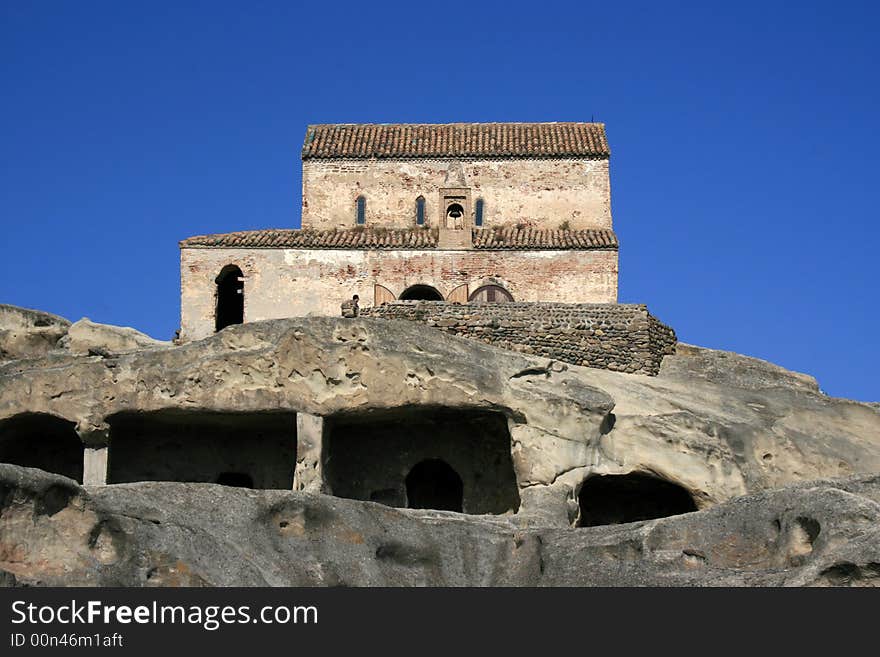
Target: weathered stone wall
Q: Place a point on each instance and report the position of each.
(617, 337)
(298, 282)
(537, 192)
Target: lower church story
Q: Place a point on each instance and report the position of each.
(270, 274)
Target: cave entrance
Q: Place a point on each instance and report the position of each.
(44, 441)
(236, 479)
(616, 499)
(433, 484)
(422, 457)
(246, 449)
(420, 293)
(230, 297)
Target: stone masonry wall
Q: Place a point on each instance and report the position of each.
(617, 337)
(298, 282)
(541, 193)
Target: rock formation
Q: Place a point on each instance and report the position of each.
(550, 457)
(54, 533)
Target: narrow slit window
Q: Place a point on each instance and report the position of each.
(478, 215)
(420, 211)
(361, 210)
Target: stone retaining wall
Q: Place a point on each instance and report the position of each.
(617, 337)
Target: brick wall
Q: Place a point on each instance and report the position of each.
(617, 337)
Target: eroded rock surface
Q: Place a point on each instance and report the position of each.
(712, 426)
(88, 337)
(718, 438)
(52, 532)
(26, 333)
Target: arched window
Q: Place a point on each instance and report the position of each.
(433, 484)
(420, 211)
(420, 292)
(491, 294)
(361, 210)
(230, 298)
(478, 213)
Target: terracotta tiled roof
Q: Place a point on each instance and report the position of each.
(287, 238)
(460, 140)
(532, 238)
(407, 238)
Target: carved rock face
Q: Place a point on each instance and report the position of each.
(528, 439)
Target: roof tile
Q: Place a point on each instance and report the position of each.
(404, 238)
(461, 140)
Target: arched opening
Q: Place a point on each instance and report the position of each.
(420, 211)
(235, 479)
(392, 456)
(382, 294)
(616, 499)
(252, 449)
(455, 216)
(491, 294)
(40, 440)
(361, 218)
(433, 484)
(420, 292)
(230, 297)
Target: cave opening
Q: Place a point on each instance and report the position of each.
(44, 441)
(616, 499)
(250, 449)
(422, 457)
(235, 479)
(433, 484)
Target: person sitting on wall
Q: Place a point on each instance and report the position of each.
(350, 308)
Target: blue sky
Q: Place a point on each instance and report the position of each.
(744, 141)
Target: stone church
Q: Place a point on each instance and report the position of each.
(461, 212)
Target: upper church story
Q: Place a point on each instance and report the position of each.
(544, 176)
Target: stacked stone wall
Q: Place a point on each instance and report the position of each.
(617, 337)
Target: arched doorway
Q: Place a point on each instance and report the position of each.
(421, 293)
(40, 440)
(615, 499)
(230, 298)
(491, 294)
(433, 484)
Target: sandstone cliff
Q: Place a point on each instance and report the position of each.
(543, 450)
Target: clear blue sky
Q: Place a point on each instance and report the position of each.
(744, 141)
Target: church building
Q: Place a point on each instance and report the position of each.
(462, 212)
